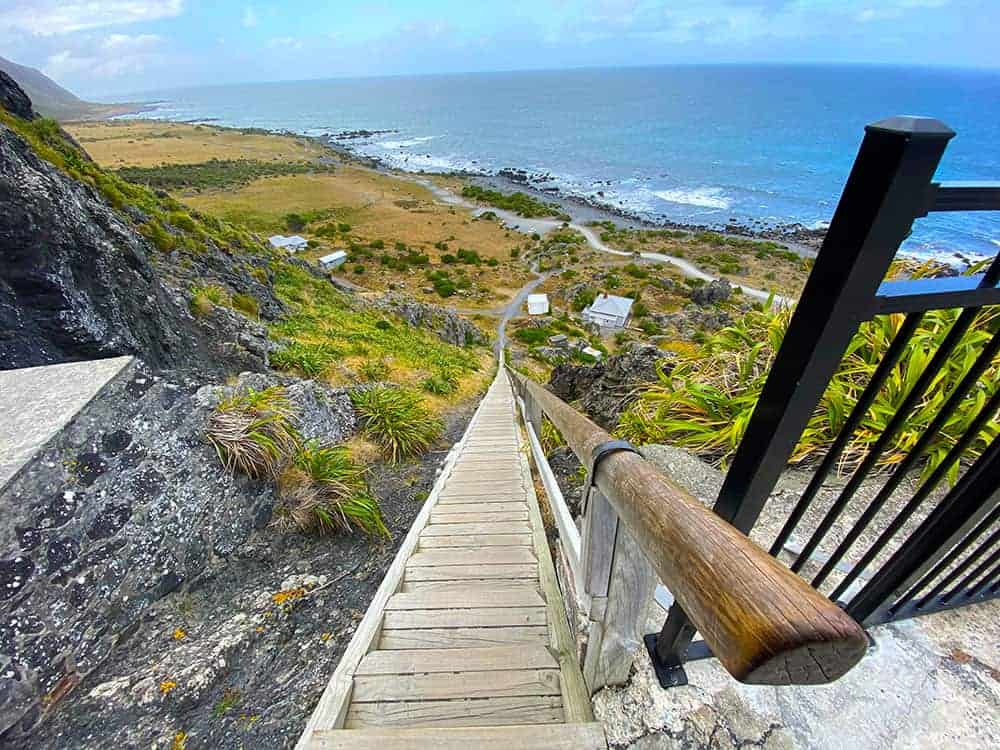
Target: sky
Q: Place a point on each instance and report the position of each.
(108, 47)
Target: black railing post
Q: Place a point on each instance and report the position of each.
(890, 186)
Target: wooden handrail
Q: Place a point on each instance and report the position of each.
(766, 625)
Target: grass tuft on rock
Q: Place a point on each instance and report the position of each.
(254, 431)
(323, 491)
(397, 421)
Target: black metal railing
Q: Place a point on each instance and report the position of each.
(951, 557)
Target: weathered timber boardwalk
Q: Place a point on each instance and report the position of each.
(466, 643)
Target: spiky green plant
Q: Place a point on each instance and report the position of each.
(374, 369)
(706, 402)
(254, 431)
(397, 421)
(323, 491)
(440, 384)
(311, 360)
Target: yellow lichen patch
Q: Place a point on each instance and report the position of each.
(180, 634)
(325, 637)
(166, 686)
(288, 596)
(179, 741)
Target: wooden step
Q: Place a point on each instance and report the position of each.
(482, 712)
(466, 584)
(466, 598)
(392, 640)
(491, 556)
(475, 542)
(465, 618)
(452, 685)
(460, 572)
(483, 515)
(465, 529)
(547, 737)
(419, 661)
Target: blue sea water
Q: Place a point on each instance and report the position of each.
(693, 144)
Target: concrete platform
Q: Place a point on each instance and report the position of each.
(37, 402)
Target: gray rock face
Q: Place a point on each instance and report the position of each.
(712, 293)
(126, 505)
(446, 323)
(606, 389)
(78, 282)
(13, 98)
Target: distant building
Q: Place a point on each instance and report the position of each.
(292, 244)
(560, 339)
(592, 352)
(538, 304)
(333, 260)
(609, 311)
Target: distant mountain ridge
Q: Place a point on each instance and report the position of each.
(52, 100)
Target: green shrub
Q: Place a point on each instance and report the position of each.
(532, 336)
(636, 271)
(397, 421)
(705, 403)
(584, 298)
(310, 360)
(374, 369)
(520, 203)
(247, 305)
(383, 325)
(323, 491)
(442, 384)
(359, 269)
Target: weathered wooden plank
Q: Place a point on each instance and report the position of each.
(483, 515)
(545, 737)
(491, 556)
(460, 637)
(464, 618)
(426, 687)
(502, 506)
(427, 660)
(483, 495)
(460, 572)
(459, 529)
(475, 542)
(488, 584)
(526, 596)
(457, 713)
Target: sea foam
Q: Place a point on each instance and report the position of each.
(705, 197)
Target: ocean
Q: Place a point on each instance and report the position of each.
(710, 145)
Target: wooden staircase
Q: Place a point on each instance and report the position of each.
(466, 642)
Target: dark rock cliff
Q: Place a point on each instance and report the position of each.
(77, 281)
(13, 98)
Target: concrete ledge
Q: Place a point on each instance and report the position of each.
(37, 402)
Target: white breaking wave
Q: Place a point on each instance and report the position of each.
(406, 143)
(706, 197)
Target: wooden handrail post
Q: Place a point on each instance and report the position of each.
(765, 624)
(620, 582)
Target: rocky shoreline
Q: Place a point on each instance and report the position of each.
(582, 208)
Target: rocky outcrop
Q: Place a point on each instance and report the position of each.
(77, 281)
(13, 98)
(126, 505)
(692, 321)
(446, 323)
(713, 293)
(606, 389)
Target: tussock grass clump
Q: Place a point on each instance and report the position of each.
(374, 370)
(442, 384)
(322, 491)
(311, 360)
(246, 304)
(397, 421)
(253, 432)
(706, 402)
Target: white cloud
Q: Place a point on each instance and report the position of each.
(110, 57)
(249, 18)
(52, 17)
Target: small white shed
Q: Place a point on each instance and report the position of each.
(538, 304)
(333, 260)
(292, 244)
(592, 352)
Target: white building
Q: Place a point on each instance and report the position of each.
(333, 260)
(538, 304)
(592, 352)
(609, 311)
(292, 244)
